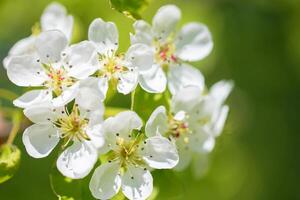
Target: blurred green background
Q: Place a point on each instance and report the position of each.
(257, 44)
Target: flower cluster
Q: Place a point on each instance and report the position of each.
(69, 83)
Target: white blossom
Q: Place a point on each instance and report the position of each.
(194, 121)
(54, 17)
(55, 71)
(79, 128)
(120, 69)
(129, 159)
(172, 49)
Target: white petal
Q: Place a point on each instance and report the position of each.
(104, 34)
(140, 56)
(95, 116)
(184, 75)
(194, 42)
(82, 58)
(96, 135)
(186, 99)
(157, 122)
(55, 17)
(201, 141)
(25, 46)
(221, 90)
(154, 80)
(123, 123)
(90, 88)
(77, 160)
(143, 33)
(103, 86)
(137, 183)
(165, 20)
(205, 110)
(40, 140)
(121, 126)
(32, 97)
(219, 122)
(50, 44)
(160, 153)
(180, 116)
(185, 156)
(92, 107)
(127, 82)
(106, 181)
(25, 71)
(42, 113)
(6, 61)
(66, 96)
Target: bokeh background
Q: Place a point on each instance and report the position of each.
(257, 44)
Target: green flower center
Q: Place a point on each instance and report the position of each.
(72, 125)
(127, 153)
(165, 53)
(178, 129)
(111, 66)
(58, 79)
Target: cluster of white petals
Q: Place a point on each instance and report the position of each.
(68, 84)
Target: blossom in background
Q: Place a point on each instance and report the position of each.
(195, 120)
(121, 69)
(79, 128)
(58, 71)
(54, 17)
(172, 49)
(129, 159)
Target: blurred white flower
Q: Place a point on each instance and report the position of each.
(121, 69)
(129, 159)
(79, 128)
(54, 17)
(192, 43)
(55, 70)
(195, 120)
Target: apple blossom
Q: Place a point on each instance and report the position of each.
(129, 159)
(55, 71)
(121, 69)
(194, 121)
(172, 49)
(79, 128)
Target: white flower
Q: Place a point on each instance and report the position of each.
(195, 120)
(79, 128)
(121, 69)
(130, 157)
(54, 17)
(192, 43)
(55, 69)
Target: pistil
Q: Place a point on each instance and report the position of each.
(72, 126)
(58, 79)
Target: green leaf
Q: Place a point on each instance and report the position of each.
(130, 8)
(10, 157)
